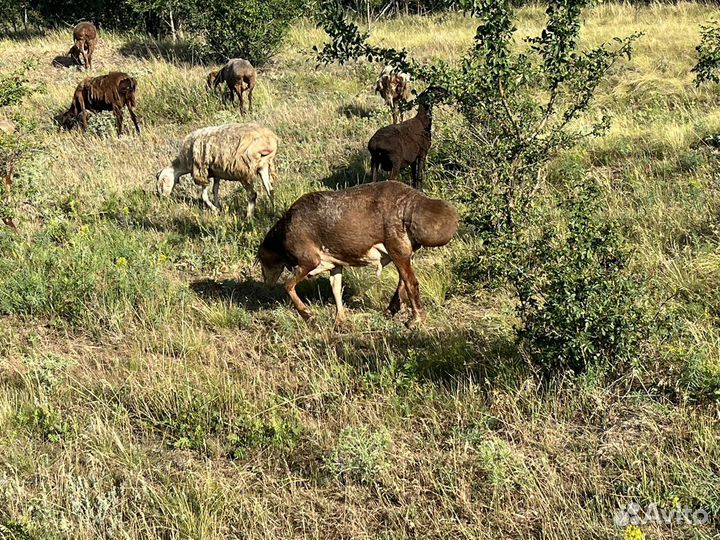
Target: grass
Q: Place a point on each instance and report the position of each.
(150, 386)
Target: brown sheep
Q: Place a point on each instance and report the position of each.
(394, 87)
(240, 77)
(371, 224)
(109, 92)
(394, 147)
(85, 38)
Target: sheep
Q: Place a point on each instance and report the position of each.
(85, 38)
(235, 152)
(394, 147)
(240, 77)
(394, 87)
(370, 224)
(109, 92)
(210, 79)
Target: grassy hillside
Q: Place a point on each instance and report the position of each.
(151, 386)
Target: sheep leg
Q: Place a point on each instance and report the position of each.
(417, 173)
(398, 298)
(239, 92)
(395, 173)
(206, 198)
(252, 199)
(86, 55)
(336, 284)
(91, 50)
(83, 112)
(374, 167)
(118, 119)
(300, 273)
(134, 118)
(267, 184)
(400, 252)
(216, 192)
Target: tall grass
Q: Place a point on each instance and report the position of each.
(150, 386)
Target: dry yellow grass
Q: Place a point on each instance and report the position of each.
(184, 400)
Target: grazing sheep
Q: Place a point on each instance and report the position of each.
(236, 152)
(394, 147)
(240, 77)
(371, 224)
(210, 79)
(394, 87)
(85, 38)
(109, 92)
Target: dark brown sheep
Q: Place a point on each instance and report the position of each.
(240, 77)
(371, 224)
(109, 92)
(85, 38)
(392, 148)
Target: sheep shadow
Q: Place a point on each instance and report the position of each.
(64, 61)
(350, 174)
(449, 357)
(150, 49)
(254, 295)
(355, 110)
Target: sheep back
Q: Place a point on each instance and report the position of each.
(229, 151)
(114, 88)
(236, 70)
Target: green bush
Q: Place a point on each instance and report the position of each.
(361, 455)
(580, 306)
(251, 29)
(522, 108)
(708, 50)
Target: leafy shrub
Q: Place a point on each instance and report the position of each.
(521, 107)
(42, 421)
(579, 304)
(251, 29)
(708, 50)
(360, 455)
(14, 85)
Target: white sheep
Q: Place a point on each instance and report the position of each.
(236, 152)
(393, 86)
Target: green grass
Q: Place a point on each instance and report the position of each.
(151, 386)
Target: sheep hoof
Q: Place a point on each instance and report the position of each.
(341, 322)
(415, 321)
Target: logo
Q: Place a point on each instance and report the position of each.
(634, 514)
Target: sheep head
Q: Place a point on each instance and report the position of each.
(69, 119)
(258, 158)
(165, 181)
(210, 80)
(271, 263)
